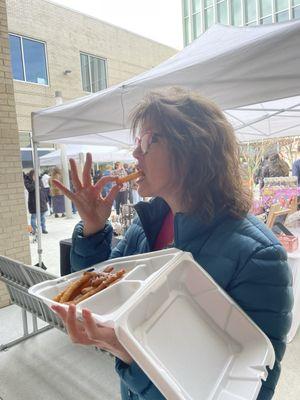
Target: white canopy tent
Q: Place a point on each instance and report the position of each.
(99, 153)
(236, 67)
(252, 73)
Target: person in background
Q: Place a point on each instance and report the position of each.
(58, 200)
(74, 210)
(275, 167)
(296, 166)
(46, 184)
(29, 182)
(189, 157)
(134, 189)
(258, 175)
(128, 169)
(97, 176)
(106, 172)
(122, 196)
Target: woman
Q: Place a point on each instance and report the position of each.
(29, 182)
(188, 154)
(58, 200)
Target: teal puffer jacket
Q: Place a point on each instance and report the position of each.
(243, 257)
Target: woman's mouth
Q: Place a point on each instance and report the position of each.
(142, 177)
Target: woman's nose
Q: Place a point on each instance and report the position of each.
(137, 152)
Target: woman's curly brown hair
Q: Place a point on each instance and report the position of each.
(203, 147)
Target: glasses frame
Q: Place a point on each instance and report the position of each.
(145, 141)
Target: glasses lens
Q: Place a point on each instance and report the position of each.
(145, 143)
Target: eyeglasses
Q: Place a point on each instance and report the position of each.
(146, 140)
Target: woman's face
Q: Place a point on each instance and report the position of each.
(158, 179)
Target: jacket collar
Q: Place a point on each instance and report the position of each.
(153, 213)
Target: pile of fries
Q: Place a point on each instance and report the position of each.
(88, 284)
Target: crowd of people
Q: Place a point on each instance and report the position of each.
(272, 165)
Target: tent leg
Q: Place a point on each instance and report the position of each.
(37, 200)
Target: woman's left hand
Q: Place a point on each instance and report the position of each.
(88, 332)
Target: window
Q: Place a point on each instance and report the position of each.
(196, 25)
(196, 6)
(266, 7)
(250, 6)
(222, 12)
(187, 31)
(209, 17)
(296, 12)
(93, 73)
(236, 11)
(296, 2)
(186, 6)
(28, 59)
(281, 5)
(266, 20)
(196, 10)
(283, 16)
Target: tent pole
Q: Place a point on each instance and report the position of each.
(66, 179)
(64, 163)
(37, 199)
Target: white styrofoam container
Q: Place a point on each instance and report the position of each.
(140, 269)
(184, 331)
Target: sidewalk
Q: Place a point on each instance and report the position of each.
(58, 229)
(93, 373)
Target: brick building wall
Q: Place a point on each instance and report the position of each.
(66, 33)
(14, 240)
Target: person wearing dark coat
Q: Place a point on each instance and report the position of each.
(188, 155)
(29, 182)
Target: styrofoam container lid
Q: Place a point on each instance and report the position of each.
(192, 340)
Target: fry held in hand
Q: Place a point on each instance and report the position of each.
(129, 177)
(88, 284)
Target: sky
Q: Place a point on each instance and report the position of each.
(159, 20)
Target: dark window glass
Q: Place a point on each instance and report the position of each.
(35, 61)
(93, 73)
(250, 8)
(222, 12)
(236, 11)
(296, 12)
(265, 7)
(85, 73)
(283, 16)
(16, 57)
(196, 25)
(98, 74)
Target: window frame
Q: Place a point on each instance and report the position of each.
(23, 59)
(106, 70)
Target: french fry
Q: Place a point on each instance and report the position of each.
(88, 284)
(69, 292)
(109, 268)
(129, 177)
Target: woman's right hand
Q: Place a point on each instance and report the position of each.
(93, 209)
